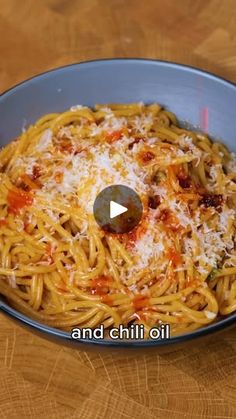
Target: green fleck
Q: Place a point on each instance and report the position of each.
(212, 274)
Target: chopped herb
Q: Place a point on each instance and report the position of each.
(213, 274)
(158, 177)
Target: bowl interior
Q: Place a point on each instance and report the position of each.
(185, 91)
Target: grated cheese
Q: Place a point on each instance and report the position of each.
(91, 171)
(27, 163)
(231, 164)
(187, 143)
(45, 141)
(210, 315)
(100, 164)
(77, 108)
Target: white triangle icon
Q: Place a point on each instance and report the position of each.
(116, 209)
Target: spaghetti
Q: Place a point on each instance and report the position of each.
(178, 266)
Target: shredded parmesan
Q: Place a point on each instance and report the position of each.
(89, 172)
(210, 315)
(45, 141)
(231, 164)
(97, 164)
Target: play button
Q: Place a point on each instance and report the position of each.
(117, 209)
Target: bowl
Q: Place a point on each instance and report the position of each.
(185, 90)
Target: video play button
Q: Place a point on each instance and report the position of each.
(117, 209)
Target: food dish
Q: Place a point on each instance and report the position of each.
(178, 266)
(121, 81)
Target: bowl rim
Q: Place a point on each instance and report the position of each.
(57, 333)
(101, 61)
(62, 335)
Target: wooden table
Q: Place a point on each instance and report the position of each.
(39, 379)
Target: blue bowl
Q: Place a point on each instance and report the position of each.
(182, 89)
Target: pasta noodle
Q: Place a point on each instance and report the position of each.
(178, 266)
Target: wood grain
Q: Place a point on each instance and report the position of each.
(41, 379)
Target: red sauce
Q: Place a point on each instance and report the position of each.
(65, 145)
(129, 239)
(100, 285)
(106, 299)
(185, 183)
(132, 236)
(180, 171)
(3, 223)
(183, 177)
(170, 220)
(154, 201)
(36, 172)
(111, 137)
(140, 302)
(174, 256)
(211, 200)
(27, 184)
(146, 156)
(58, 177)
(18, 199)
(67, 148)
